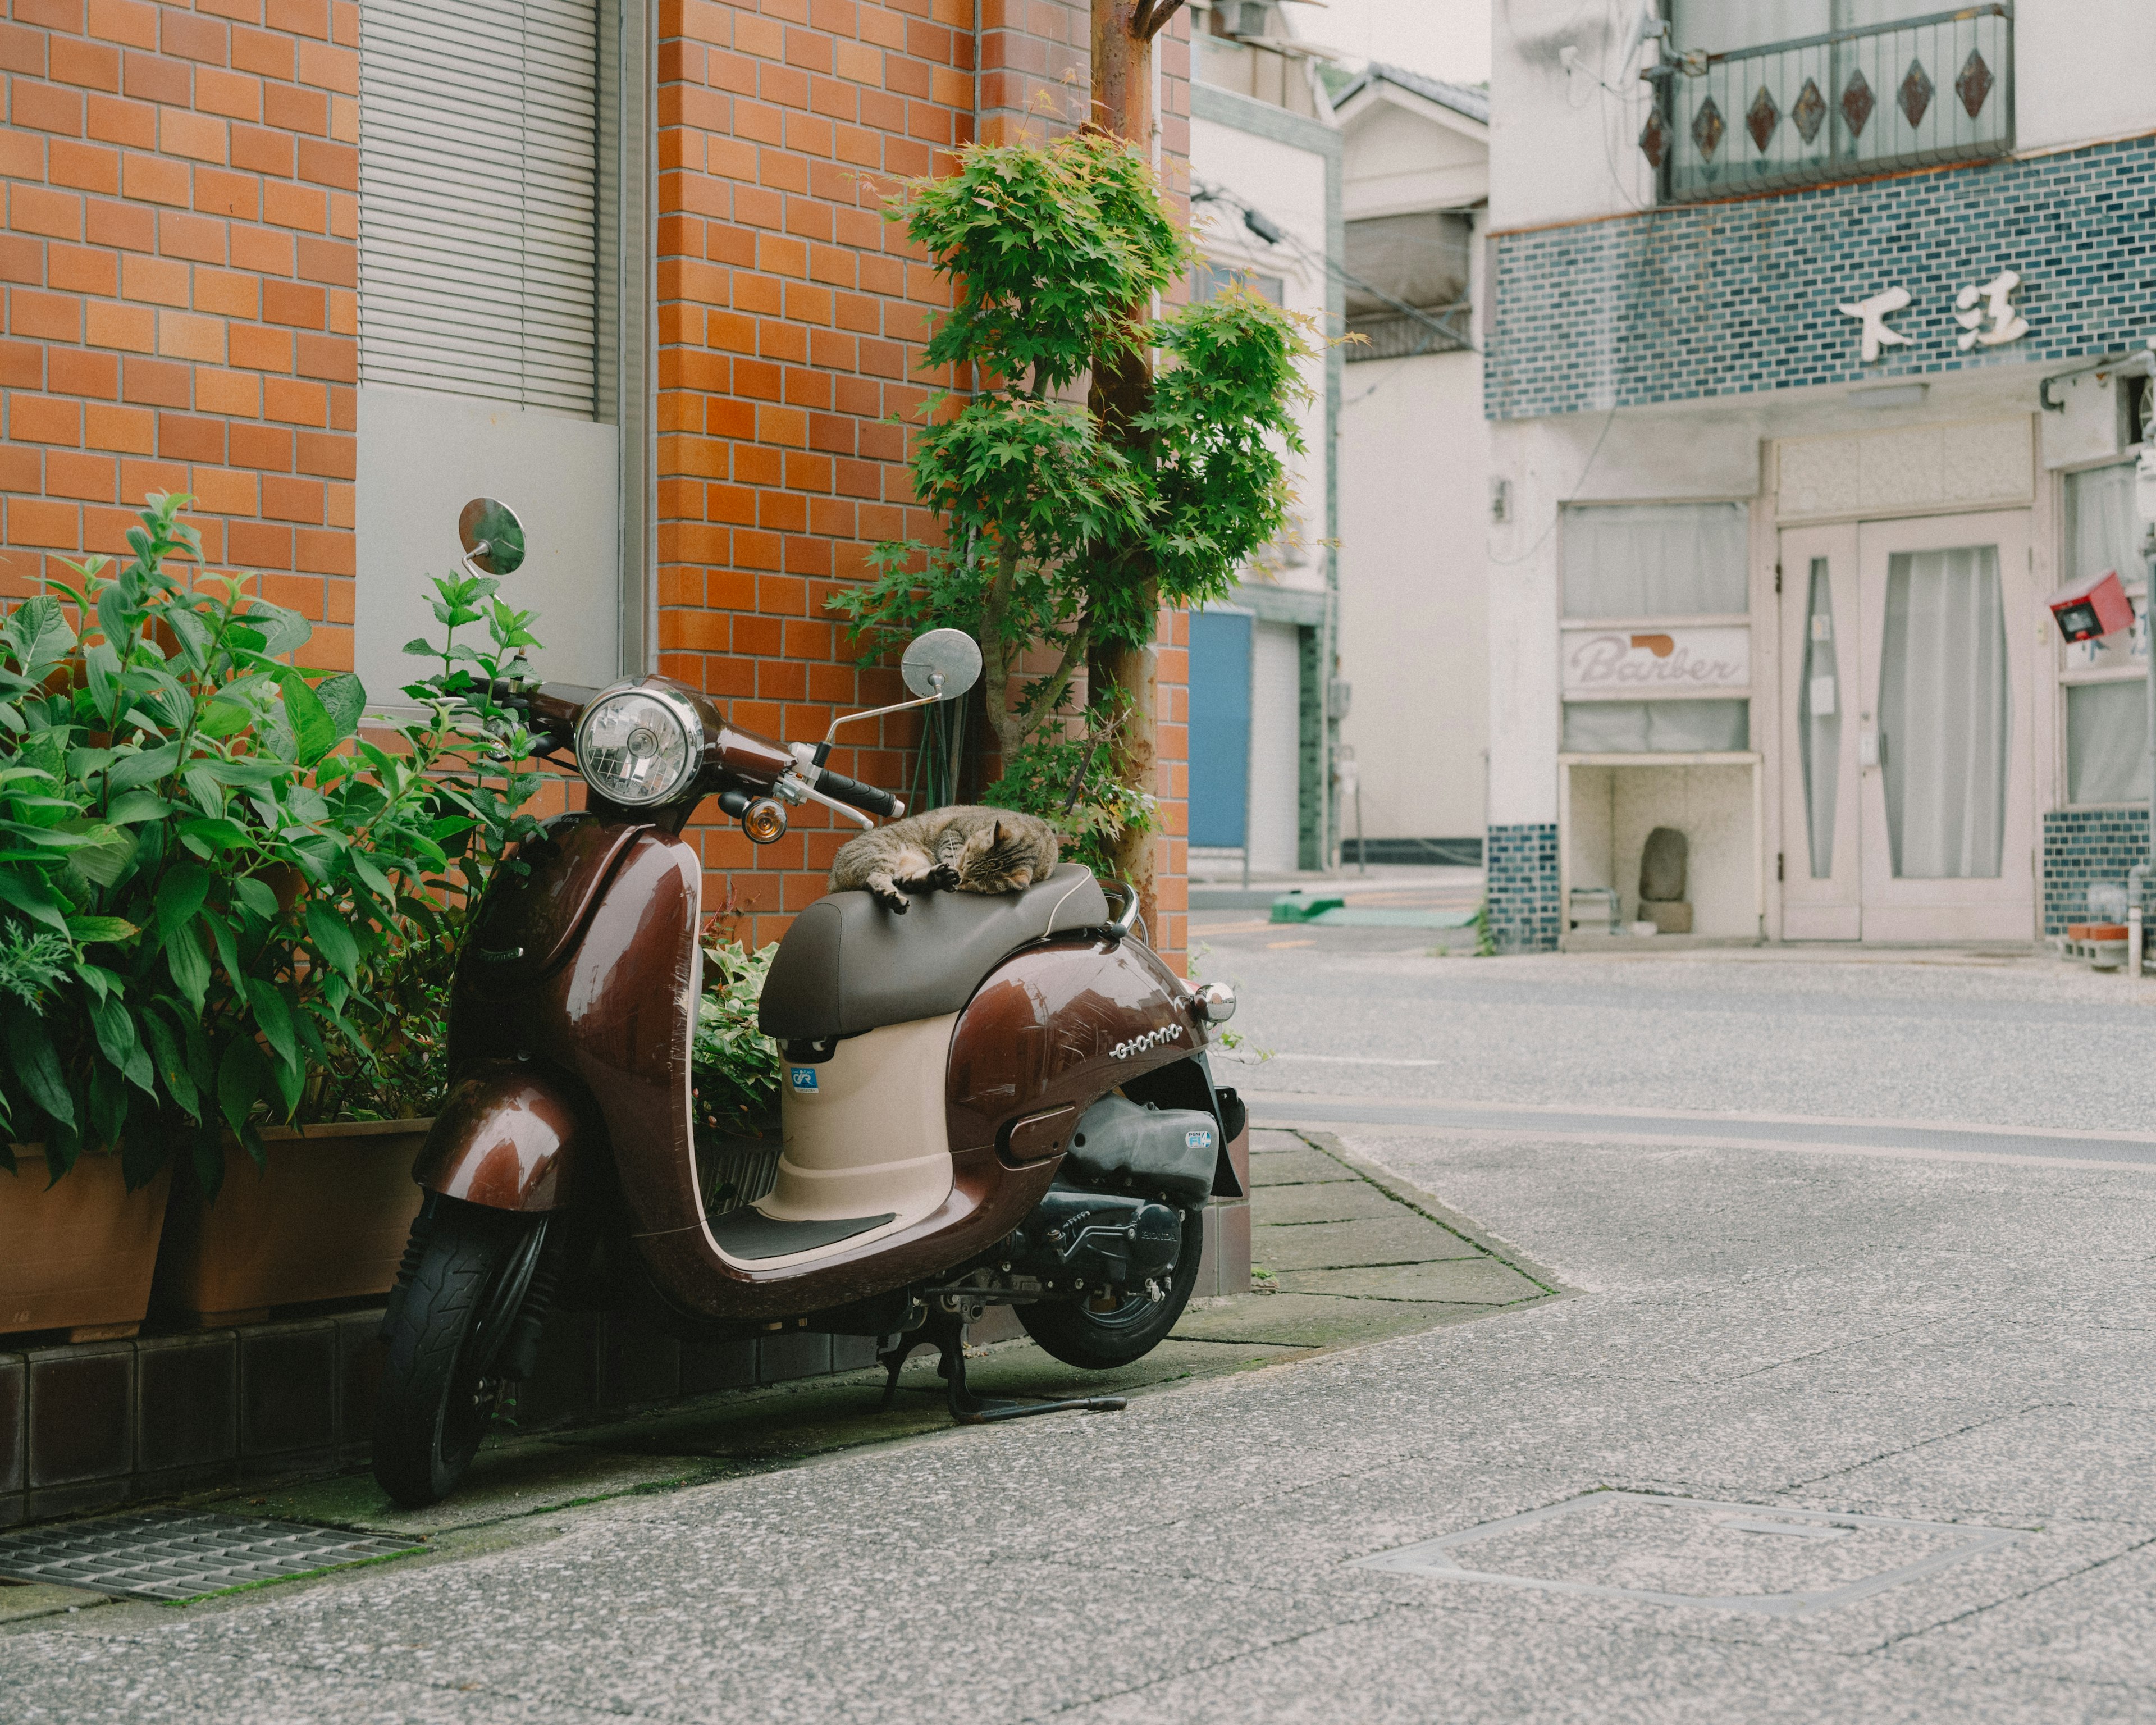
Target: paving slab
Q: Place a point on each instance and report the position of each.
(1401, 1238)
(1477, 1282)
(1325, 1201)
(1299, 1166)
(20, 1600)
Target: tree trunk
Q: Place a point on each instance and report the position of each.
(1123, 107)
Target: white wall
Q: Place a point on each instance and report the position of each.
(1414, 491)
(1398, 162)
(1288, 185)
(1276, 745)
(1563, 147)
(421, 456)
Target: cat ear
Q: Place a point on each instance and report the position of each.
(996, 833)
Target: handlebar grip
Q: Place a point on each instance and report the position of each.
(865, 797)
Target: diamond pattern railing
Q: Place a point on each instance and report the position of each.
(1937, 88)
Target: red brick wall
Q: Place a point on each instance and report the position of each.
(180, 265)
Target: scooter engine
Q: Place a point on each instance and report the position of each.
(1096, 1237)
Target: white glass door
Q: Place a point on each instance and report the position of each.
(1822, 668)
(1944, 751)
(1907, 716)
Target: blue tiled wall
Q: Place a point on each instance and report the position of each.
(1525, 916)
(2086, 844)
(1730, 299)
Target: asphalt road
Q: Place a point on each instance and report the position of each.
(1824, 1432)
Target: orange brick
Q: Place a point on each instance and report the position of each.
(183, 335)
(199, 136)
(132, 328)
(149, 179)
(129, 431)
(44, 420)
(82, 270)
(32, 520)
(222, 491)
(236, 394)
(234, 94)
(52, 317)
(292, 402)
(90, 478)
(261, 350)
(38, 209)
(159, 281)
(218, 192)
(226, 294)
(302, 207)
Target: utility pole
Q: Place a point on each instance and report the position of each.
(1122, 107)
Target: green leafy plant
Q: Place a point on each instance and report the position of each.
(737, 1071)
(1064, 525)
(206, 870)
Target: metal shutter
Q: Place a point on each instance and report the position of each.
(477, 207)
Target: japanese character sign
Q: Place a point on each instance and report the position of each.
(1991, 305)
(1873, 311)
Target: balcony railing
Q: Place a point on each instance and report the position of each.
(1938, 88)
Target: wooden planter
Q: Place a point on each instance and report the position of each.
(327, 1219)
(77, 1255)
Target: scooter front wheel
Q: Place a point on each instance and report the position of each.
(1103, 1331)
(446, 1333)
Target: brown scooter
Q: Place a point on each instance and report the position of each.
(990, 1101)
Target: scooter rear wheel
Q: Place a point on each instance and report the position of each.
(446, 1335)
(1096, 1337)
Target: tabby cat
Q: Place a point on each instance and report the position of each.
(961, 849)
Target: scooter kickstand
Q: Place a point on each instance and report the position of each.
(968, 1409)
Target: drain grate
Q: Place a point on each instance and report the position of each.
(1687, 1551)
(175, 1554)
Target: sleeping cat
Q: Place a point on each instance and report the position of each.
(961, 850)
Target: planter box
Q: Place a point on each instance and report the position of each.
(327, 1219)
(77, 1255)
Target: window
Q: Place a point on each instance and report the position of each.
(1656, 727)
(479, 231)
(1655, 561)
(2107, 700)
(1210, 279)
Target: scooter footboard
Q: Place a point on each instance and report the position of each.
(508, 1137)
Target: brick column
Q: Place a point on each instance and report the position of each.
(179, 263)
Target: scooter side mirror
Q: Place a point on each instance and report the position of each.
(941, 664)
(493, 537)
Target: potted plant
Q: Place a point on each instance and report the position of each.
(736, 1073)
(207, 872)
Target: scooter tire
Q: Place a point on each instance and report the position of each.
(444, 1335)
(1100, 1342)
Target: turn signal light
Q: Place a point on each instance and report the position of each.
(764, 821)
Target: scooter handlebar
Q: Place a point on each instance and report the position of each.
(861, 796)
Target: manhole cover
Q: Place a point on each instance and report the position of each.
(1684, 1551)
(173, 1554)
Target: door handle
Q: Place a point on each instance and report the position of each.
(1871, 748)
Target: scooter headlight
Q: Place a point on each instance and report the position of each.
(637, 747)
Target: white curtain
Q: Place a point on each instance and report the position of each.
(1654, 560)
(1943, 713)
(2103, 532)
(1656, 727)
(1819, 720)
(2108, 742)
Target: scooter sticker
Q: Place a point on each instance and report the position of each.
(1198, 1138)
(804, 1080)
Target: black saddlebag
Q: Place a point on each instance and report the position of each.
(1120, 1144)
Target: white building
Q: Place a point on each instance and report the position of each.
(1819, 363)
(1414, 455)
(1265, 167)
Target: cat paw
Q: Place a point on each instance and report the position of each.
(943, 877)
(897, 903)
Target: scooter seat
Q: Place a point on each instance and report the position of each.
(848, 965)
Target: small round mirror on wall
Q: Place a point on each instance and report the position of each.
(493, 537)
(943, 664)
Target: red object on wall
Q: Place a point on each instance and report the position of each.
(2092, 607)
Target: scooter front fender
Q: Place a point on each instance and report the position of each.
(508, 1137)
